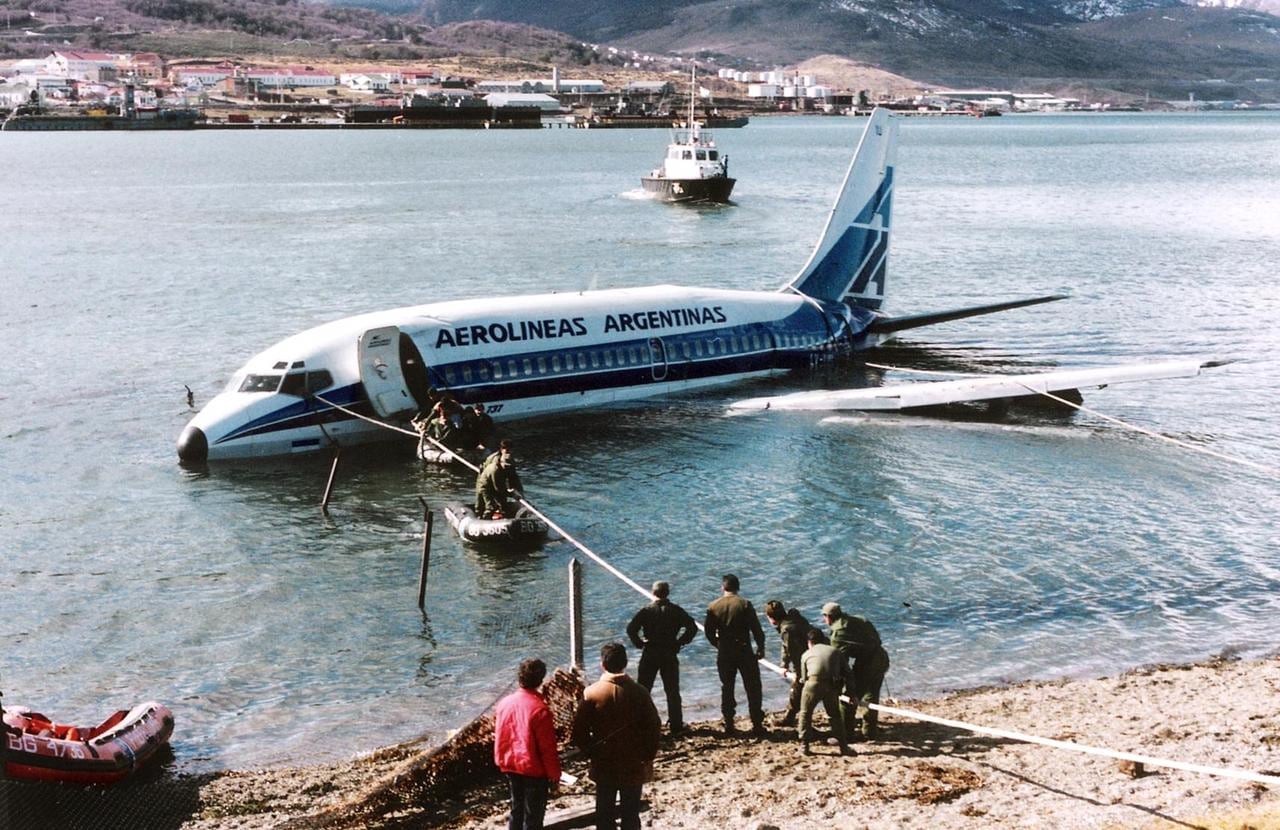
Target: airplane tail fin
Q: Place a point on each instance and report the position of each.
(848, 263)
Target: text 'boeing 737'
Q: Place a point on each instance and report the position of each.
(528, 355)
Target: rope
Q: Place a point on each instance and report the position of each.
(1273, 471)
(1224, 772)
(1264, 468)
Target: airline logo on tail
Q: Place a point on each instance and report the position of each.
(848, 264)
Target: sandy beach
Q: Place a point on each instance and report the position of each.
(1222, 713)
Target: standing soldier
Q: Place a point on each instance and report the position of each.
(793, 629)
(730, 625)
(822, 670)
(857, 639)
(661, 629)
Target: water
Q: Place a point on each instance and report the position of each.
(1030, 547)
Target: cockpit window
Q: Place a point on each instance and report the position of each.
(260, 383)
(300, 383)
(317, 380)
(295, 383)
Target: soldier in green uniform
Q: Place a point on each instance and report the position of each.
(498, 485)
(857, 639)
(822, 671)
(730, 625)
(793, 629)
(660, 630)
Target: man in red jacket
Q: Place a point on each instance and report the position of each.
(618, 727)
(524, 747)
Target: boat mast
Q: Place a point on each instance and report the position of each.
(693, 95)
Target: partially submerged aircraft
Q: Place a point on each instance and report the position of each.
(533, 354)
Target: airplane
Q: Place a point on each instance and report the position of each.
(534, 354)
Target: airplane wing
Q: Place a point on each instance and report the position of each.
(985, 388)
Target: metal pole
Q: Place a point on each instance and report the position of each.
(427, 519)
(328, 488)
(575, 614)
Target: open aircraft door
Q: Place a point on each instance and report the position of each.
(381, 372)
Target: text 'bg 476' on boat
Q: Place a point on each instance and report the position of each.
(37, 749)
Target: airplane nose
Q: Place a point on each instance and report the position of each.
(193, 446)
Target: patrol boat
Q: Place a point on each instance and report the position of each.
(694, 170)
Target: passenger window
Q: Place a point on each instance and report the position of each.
(608, 357)
(687, 349)
(555, 363)
(466, 373)
(449, 377)
(595, 360)
(497, 370)
(260, 383)
(698, 347)
(542, 365)
(511, 368)
(582, 360)
(295, 383)
(483, 371)
(528, 367)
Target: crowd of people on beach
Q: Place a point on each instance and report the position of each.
(617, 726)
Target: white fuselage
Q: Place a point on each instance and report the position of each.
(518, 356)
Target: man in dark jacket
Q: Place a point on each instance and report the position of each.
(661, 629)
(857, 639)
(793, 629)
(731, 624)
(618, 727)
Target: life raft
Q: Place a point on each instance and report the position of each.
(37, 749)
(432, 454)
(522, 529)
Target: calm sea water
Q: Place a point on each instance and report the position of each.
(1031, 547)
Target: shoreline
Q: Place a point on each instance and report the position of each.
(1220, 712)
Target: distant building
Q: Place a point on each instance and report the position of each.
(82, 66)
(145, 66)
(288, 77)
(539, 100)
(532, 85)
(204, 75)
(654, 88)
(362, 82)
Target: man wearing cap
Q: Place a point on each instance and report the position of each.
(857, 639)
(660, 630)
(731, 624)
(498, 485)
(793, 629)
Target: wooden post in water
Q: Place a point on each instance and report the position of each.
(328, 488)
(575, 614)
(427, 519)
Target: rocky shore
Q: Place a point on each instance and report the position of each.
(1221, 713)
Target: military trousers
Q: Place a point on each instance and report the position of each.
(815, 691)
(862, 687)
(655, 662)
(730, 662)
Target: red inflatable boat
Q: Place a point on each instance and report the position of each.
(37, 749)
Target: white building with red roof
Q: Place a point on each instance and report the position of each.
(82, 66)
